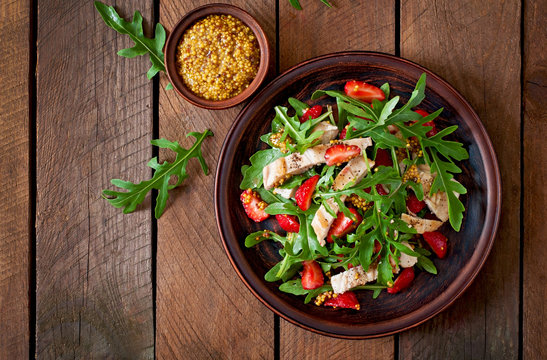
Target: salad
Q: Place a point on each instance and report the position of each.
(359, 189)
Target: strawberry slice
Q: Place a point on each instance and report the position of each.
(312, 275)
(363, 91)
(434, 130)
(437, 242)
(311, 113)
(413, 204)
(339, 153)
(403, 281)
(380, 189)
(289, 223)
(343, 225)
(383, 158)
(305, 192)
(254, 205)
(347, 300)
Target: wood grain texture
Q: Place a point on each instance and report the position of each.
(203, 308)
(474, 45)
(364, 25)
(349, 25)
(535, 173)
(14, 170)
(301, 344)
(94, 286)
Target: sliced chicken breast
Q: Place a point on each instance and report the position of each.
(296, 163)
(286, 193)
(354, 171)
(421, 225)
(353, 277)
(322, 219)
(329, 131)
(405, 260)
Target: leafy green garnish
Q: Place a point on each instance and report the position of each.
(143, 45)
(136, 193)
(252, 175)
(301, 133)
(438, 152)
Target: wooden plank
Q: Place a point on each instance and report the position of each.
(535, 173)
(313, 31)
(203, 308)
(349, 25)
(94, 286)
(14, 170)
(474, 45)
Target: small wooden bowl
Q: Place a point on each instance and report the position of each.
(467, 250)
(187, 21)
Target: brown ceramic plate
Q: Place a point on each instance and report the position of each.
(429, 294)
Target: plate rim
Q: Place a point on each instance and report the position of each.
(455, 289)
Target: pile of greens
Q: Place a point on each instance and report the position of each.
(382, 220)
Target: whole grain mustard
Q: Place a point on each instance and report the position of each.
(218, 57)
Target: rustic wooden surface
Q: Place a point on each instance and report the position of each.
(14, 170)
(101, 288)
(535, 173)
(94, 122)
(474, 45)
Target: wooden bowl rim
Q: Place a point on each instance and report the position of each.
(467, 273)
(189, 19)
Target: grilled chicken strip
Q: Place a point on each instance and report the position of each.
(421, 225)
(283, 168)
(354, 171)
(353, 277)
(329, 131)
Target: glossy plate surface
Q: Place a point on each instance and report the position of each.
(429, 294)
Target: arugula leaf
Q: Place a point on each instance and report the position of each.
(444, 182)
(293, 287)
(143, 45)
(297, 131)
(427, 265)
(252, 175)
(298, 106)
(160, 180)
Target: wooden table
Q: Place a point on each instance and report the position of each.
(79, 279)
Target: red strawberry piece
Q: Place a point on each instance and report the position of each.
(343, 225)
(413, 204)
(312, 275)
(437, 242)
(434, 130)
(377, 246)
(363, 91)
(403, 281)
(381, 190)
(347, 300)
(289, 223)
(340, 153)
(343, 133)
(305, 192)
(311, 113)
(383, 158)
(254, 205)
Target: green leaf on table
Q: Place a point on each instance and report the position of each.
(143, 45)
(136, 193)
